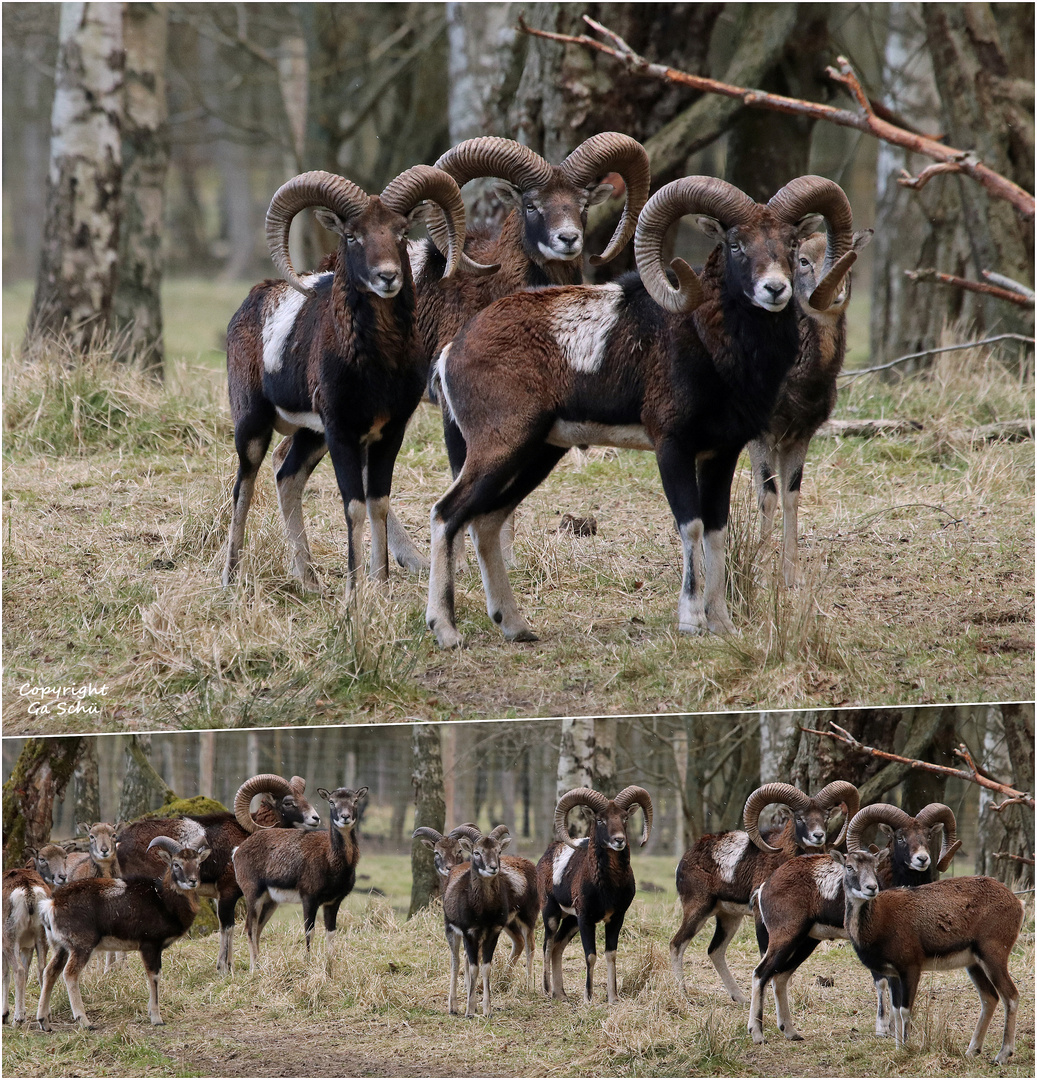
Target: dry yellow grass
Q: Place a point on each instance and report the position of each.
(917, 551)
(379, 1008)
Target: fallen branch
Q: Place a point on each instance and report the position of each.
(932, 352)
(866, 428)
(1009, 430)
(866, 120)
(972, 772)
(927, 273)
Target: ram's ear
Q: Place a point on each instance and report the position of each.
(417, 215)
(862, 239)
(810, 224)
(428, 843)
(602, 192)
(330, 220)
(508, 194)
(505, 840)
(711, 227)
(837, 856)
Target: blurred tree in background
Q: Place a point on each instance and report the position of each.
(257, 92)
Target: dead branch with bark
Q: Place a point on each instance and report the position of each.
(867, 119)
(928, 273)
(972, 772)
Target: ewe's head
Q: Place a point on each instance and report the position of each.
(552, 200)
(758, 243)
(860, 872)
(610, 815)
(810, 816)
(345, 806)
(49, 861)
(102, 838)
(373, 228)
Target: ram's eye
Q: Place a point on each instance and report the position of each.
(350, 238)
(530, 208)
(804, 262)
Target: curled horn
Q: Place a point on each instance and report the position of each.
(785, 794)
(637, 796)
(468, 831)
(167, 844)
(316, 188)
(940, 813)
(612, 152)
(426, 833)
(884, 813)
(581, 796)
(816, 194)
(489, 155)
(421, 182)
(298, 785)
(693, 194)
(840, 791)
(498, 833)
(268, 782)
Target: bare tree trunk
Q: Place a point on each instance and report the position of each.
(137, 304)
(86, 786)
(81, 237)
(429, 811)
(40, 776)
(206, 763)
(142, 787)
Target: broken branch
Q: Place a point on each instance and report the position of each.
(928, 273)
(931, 352)
(866, 120)
(971, 773)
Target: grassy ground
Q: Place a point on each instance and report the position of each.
(379, 1008)
(918, 552)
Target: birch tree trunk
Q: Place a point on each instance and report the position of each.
(76, 278)
(429, 811)
(137, 304)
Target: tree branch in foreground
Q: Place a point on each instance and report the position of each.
(931, 352)
(867, 119)
(928, 273)
(972, 772)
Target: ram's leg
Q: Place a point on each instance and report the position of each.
(471, 948)
(695, 913)
(908, 989)
(251, 439)
(765, 480)
(987, 1005)
(715, 475)
(799, 955)
(882, 1018)
(330, 923)
(677, 471)
(590, 955)
(791, 468)
(489, 943)
(727, 927)
(612, 930)
(152, 958)
(381, 458)
(995, 967)
(225, 912)
(346, 457)
(565, 932)
(454, 941)
(10, 959)
(295, 458)
(500, 600)
(457, 452)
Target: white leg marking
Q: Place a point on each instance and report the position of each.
(691, 614)
(377, 513)
(500, 600)
(718, 619)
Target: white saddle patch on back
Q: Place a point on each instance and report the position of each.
(562, 857)
(829, 878)
(582, 325)
(278, 324)
(728, 852)
(515, 879)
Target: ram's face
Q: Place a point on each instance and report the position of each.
(554, 216)
(486, 857)
(810, 261)
(811, 826)
(296, 810)
(373, 247)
